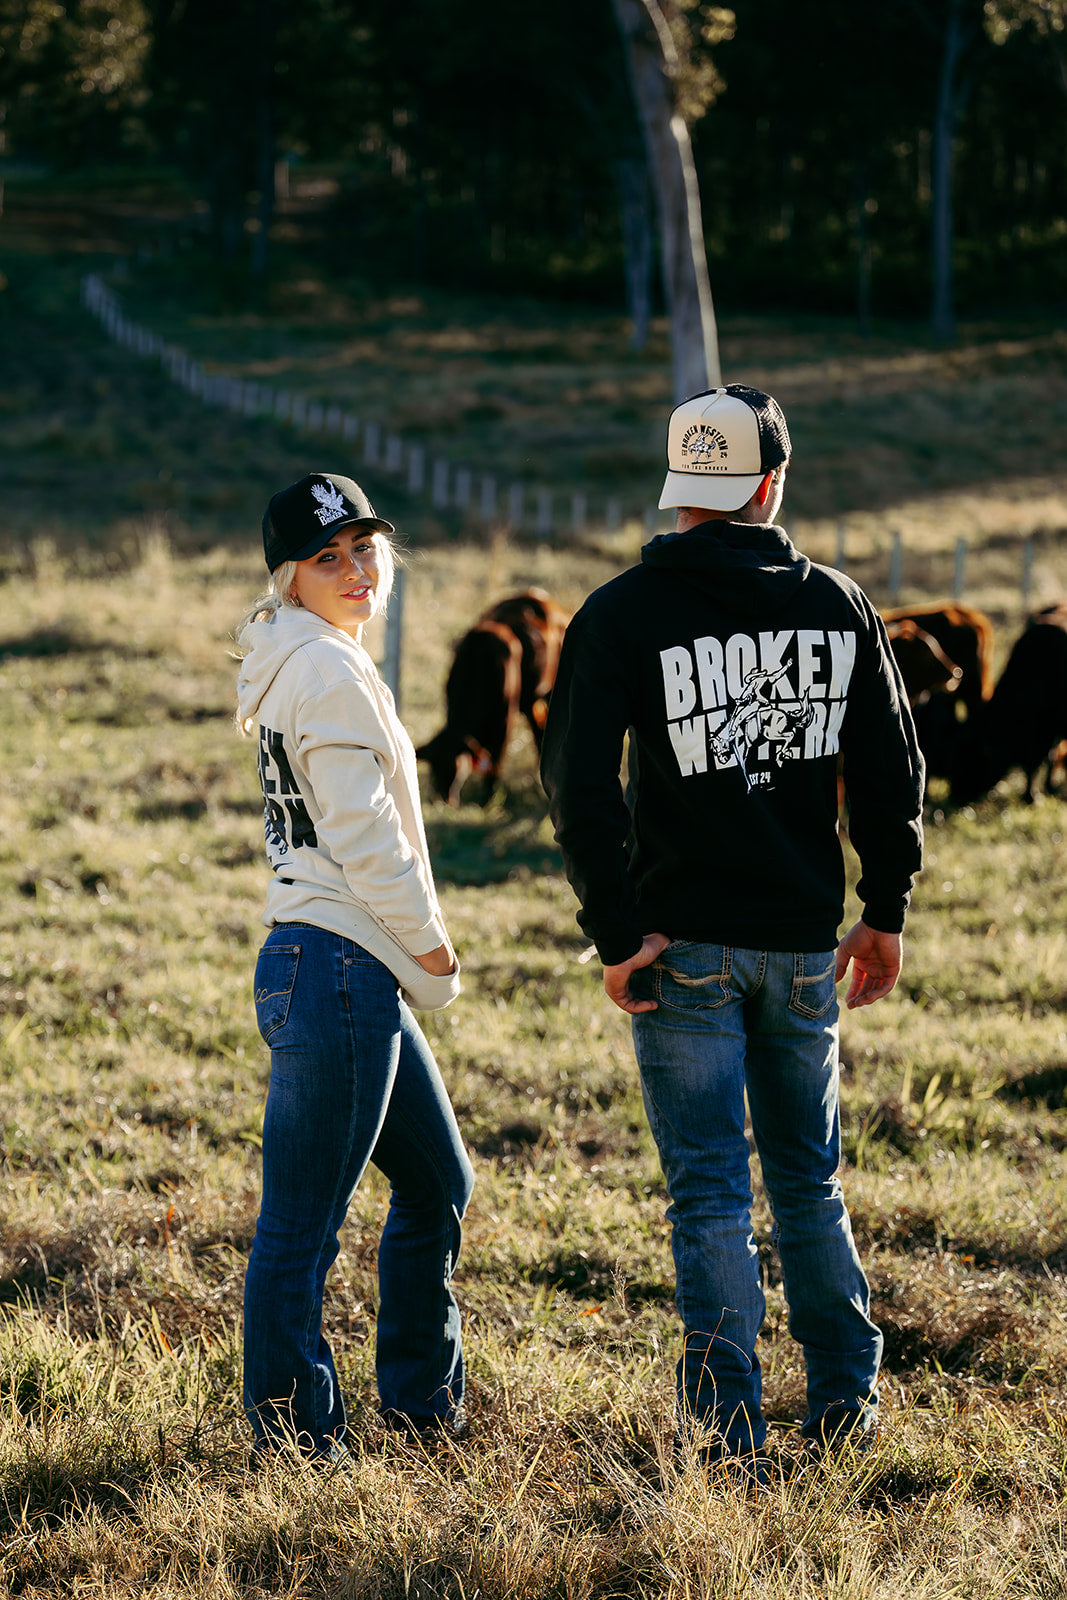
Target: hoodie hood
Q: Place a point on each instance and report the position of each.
(747, 568)
(269, 643)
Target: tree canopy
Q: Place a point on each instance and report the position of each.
(499, 147)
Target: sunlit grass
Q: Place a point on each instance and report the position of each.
(131, 1092)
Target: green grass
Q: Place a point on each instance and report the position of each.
(132, 1077)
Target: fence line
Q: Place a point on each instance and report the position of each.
(531, 507)
(521, 506)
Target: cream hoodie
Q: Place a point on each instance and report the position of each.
(344, 827)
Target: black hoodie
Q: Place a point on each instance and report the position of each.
(742, 672)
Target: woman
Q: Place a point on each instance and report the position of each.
(356, 936)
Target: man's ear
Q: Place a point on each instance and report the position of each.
(763, 491)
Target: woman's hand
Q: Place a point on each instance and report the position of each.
(438, 963)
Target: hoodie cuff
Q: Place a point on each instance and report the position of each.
(614, 950)
(427, 939)
(886, 916)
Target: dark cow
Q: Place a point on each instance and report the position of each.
(924, 666)
(1025, 719)
(539, 623)
(503, 667)
(964, 634)
(481, 696)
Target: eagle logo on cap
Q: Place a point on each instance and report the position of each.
(331, 502)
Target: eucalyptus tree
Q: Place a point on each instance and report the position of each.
(664, 92)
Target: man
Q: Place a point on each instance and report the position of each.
(742, 672)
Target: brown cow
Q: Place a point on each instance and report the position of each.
(924, 666)
(539, 623)
(503, 667)
(964, 634)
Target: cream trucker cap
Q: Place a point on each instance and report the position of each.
(719, 445)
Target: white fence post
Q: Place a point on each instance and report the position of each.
(544, 513)
(842, 534)
(896, 562)
(959, 573)
(394, 626)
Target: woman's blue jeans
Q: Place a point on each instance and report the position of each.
(731, 1020)
(352, 1080)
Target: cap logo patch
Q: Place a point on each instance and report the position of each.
(331, 502)
(704, 447)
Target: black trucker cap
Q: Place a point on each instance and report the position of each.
(301, 519)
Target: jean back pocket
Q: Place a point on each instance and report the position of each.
(692, 976)
(814, 984)
(275, 981)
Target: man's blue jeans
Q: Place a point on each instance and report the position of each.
(731, 1020)
(352, 1080)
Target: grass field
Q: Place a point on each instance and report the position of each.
(132, 1078)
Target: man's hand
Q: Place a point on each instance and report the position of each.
(876, 959)
(617, 978)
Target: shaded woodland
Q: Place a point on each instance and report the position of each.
(901, 159)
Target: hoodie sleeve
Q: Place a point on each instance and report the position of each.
(348, 759)
(581, 758)
(884, 778)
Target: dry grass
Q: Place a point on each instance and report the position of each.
(132, 1077)
(131, 1083)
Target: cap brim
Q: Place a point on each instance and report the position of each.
(709, 491)
(319, 542)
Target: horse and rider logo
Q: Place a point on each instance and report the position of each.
(703, 446)
(757, 720)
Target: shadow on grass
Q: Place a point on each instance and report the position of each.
(509, 838)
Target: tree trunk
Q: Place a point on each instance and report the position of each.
(942, 310)
(264, 138)
(686, 286)
(863, 251)
(631, 183)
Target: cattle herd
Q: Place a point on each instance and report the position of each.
(972, 730)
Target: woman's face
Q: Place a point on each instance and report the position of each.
(340, 583)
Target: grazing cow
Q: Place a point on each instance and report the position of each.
(481, 696)
(924, 666)
(539, 623)
(966, 637)
(1025, 719)
(503, 667)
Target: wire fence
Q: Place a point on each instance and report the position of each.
(476, 495)
(479, 497)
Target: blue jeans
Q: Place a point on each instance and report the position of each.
(731, 1020)
(352, 1080)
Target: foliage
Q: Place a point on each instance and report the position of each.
(74, 74)
(480, 146)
